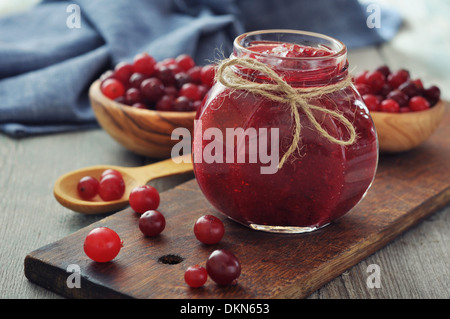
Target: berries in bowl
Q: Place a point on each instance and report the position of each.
(404, 111)
(141, 102)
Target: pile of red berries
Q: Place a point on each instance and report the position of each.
(174, 84)
(386, 91)
(103, 244)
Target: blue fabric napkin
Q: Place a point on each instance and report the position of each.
(46, 67)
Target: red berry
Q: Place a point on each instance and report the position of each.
(191, 91)
(418, 83)
(123, 72)
(132, 96)
(384, 69)
(152, 89)
(111, 187)
(389, 106)
(152, 223)
(182, 78)
(399, 97)
(136, 80)
(375, 80)
(372, 102)
(144, 63)
(87, 187)
(207, 74)
(361, 78)
(111, 171)
(167, 62)
(144, 198)
(112, 88)
(185, 62)
(166, 75)
(432, 94)
(385, 90)
(418, 103)
(171, 91)
(195, 73)
(223, 267)
(195, 276)
(397, 78)
(182, 104)
(102, 244)
(175, 68)
(209, 229)
(165, 103)
(410, 89)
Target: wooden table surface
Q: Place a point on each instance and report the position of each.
(414, 265)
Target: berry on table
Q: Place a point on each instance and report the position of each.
(144, 198)
(102, 244)
(209, 229)
(223, 267)
(195, 276)
(152, 223)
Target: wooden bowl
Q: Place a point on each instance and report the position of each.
(399, 132)
(144, 132)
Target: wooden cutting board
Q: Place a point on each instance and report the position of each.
(408, 187)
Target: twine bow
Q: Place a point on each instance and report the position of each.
(282, 92)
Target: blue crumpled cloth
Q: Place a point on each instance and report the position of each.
(46, 67)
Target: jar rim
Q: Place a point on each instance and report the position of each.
(342, 47)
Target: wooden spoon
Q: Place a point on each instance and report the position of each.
(65, 189)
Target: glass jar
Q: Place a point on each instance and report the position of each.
(241, 136)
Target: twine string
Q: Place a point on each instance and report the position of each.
(281, 91)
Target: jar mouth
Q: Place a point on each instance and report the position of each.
(298, 71)
(305, 38)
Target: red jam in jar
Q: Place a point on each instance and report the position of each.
(241, 135)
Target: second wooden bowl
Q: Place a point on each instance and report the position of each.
(400, 132)
(144, 132)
